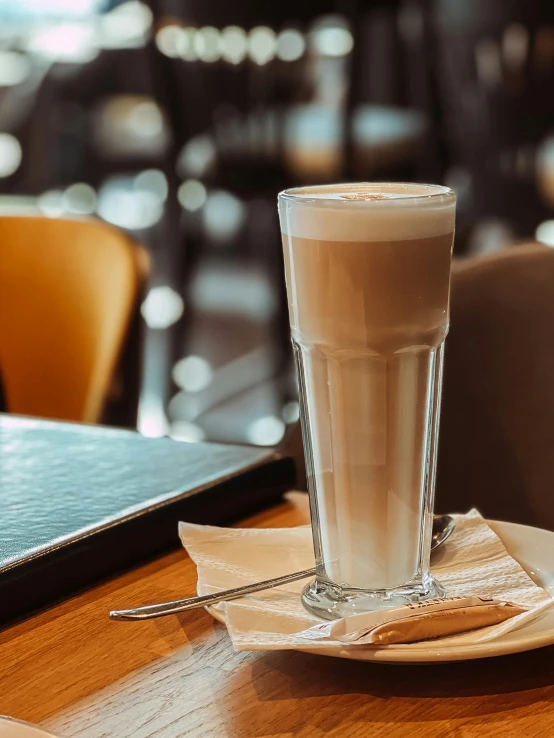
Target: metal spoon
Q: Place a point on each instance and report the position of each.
(443, 525)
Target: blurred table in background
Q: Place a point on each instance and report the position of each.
(383, 138)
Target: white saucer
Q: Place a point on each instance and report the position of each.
(533, 548)
(12, 728)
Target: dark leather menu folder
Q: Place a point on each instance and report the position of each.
(78, 503)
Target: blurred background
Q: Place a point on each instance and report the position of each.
(178, 121)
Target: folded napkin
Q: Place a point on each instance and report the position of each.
(473, 562)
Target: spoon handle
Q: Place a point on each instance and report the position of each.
(190, 603)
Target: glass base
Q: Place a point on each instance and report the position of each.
(330, 602)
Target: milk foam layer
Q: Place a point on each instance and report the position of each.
(367, 212)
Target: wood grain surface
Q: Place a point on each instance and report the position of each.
(76, 673)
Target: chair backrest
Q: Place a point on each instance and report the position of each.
(496, 448)
(68, 289)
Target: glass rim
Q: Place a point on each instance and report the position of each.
(301, 195)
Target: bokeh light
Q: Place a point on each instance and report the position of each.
(224, 214)
(291, 412)
(162, 307)
(266, 431)
(291, 45)
(123, 205)
(193, 373)
(68, 42)
(79, 198)
(51, 203)
(234, 44)
(184, 430)
(153, 181)
(262, 45)
(171, 40)
(545, 233)
(126, 26)
(146, 120)
(332, 41)
(152, 420)
(197, 157)
(192, 195)
(207, 44)
(14, 68)
(10, 154)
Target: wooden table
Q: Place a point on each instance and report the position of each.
(73, 671)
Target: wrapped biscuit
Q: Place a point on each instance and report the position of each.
(417, 621)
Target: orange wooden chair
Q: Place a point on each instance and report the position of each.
(68, 292)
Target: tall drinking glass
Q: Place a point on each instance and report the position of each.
(367, 268)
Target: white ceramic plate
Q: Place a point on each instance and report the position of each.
(12, 728)
(534, 549)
